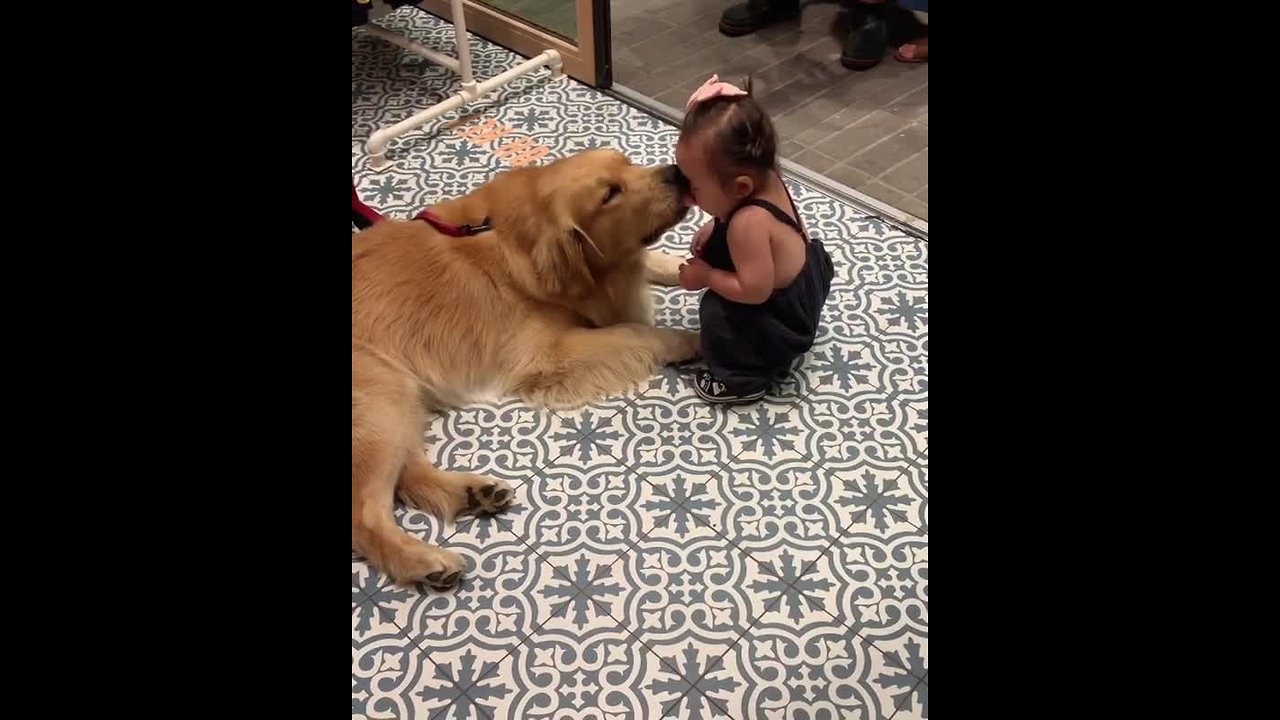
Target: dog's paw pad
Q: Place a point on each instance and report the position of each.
(442, 580)
(492, 497)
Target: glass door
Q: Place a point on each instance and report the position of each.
(577, 29)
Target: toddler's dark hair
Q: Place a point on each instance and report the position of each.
(742, 139)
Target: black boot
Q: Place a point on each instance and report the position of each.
(868, 38)
(748, 17)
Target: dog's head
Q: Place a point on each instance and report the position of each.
(596, 211)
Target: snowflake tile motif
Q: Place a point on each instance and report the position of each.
(590, 436)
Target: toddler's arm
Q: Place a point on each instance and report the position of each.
(752, 256)
(700, 238)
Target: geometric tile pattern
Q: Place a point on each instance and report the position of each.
(663, 558)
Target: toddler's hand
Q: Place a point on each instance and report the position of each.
(695, 275)
(700, 239)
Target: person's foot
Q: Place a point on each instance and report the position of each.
(868, 39)
(747, 17)
(913, 52)
(709, 388)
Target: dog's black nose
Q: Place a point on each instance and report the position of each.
(671, 174)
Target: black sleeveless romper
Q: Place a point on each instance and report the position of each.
(745, 345)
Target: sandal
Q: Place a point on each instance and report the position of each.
(921, 55)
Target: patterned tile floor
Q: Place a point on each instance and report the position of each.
(665, 558)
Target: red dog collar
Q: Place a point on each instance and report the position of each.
(450, 229)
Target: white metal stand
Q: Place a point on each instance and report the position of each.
(470, 92)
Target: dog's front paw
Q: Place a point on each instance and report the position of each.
(488, 497)
(450, 572)
(662, 268)
(435, 567)
(679, 346)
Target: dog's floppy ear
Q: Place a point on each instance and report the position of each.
(559, 258)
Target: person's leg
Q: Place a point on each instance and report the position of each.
(907, 33)
(746, 17)
(868, 38)
(733, 373)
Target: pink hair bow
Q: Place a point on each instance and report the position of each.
(713, 88)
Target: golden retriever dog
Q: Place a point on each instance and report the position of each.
(551, 305)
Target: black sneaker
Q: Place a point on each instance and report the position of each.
(714, 391)
(868, 38)
(748, 17)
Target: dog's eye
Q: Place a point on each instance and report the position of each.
(614, 191)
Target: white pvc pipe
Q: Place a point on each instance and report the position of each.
(464, 46)
(415, 48)
(377, 145)
(550, 58)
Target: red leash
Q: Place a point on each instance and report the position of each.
(364, 216)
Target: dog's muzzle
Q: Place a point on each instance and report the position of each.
(671, 175)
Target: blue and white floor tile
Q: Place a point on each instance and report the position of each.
(390, 675)
(663, 558)
(509, 439)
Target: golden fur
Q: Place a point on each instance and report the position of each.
(551, 305)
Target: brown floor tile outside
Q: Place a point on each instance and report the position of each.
(912, 205)
(880, 191)
(849, 176)
(813, 160)
(861, 134)
(911, 175)
(880, 158)
(867, 130)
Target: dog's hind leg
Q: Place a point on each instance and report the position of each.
(583, 364)
(386, 426)
(449, 494)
